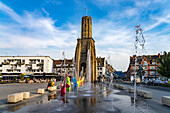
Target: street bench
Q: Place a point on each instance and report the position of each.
(122, 87)
(26, 95)
(14, 98)
(147, 94)
(166, 100)
(131, 90)
(53, 88)
(116, 85)
(40, 91)
(140, 92)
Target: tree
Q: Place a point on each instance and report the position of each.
(164, 69)
(0, 76)
(140, 72)
(21, 76)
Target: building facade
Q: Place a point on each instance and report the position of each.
(149, 63)
(25, 64)
(101, 66)
(86, 47)
(60, 67)
(109, 69)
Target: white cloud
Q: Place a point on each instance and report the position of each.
(105, 2)
(142, 3)
(56, 2)
(111, 34)
(164, 18)
(10, 12)
(32, 35)
(114, 40)
(131, 12)
(34, 32)
(45, 11)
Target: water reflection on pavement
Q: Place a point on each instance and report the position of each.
(90, 98)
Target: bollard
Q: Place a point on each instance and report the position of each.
(40, 91)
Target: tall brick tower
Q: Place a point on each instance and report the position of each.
(81, 54)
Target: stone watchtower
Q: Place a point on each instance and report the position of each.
(83, 45)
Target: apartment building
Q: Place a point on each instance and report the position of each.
(101, 66)
(149, 63)
(62, 66)
(25, 64)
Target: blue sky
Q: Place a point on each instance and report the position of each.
(48, 27)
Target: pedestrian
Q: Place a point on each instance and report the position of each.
(52, 83)
(49, 84)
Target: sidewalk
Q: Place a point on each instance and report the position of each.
(156, 93)
(6, 89)
(151, 87)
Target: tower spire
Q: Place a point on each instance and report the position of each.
(86, 11)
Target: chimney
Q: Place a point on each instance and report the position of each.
(134, 57)
(159, 55)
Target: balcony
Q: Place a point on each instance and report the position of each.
(20, 63)
(29, 68)
(40, 63)
(41, 68)
(14, 67)
(151, 70)
(6, 63)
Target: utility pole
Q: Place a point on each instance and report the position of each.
(139, 41)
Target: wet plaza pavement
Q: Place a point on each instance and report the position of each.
(90, 98)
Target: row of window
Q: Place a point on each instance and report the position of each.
(34, 61)
(20, 66)
(150, 67)
(99, 68)
(99, 72)
(18, 70)
(24, 60)
(13, 60)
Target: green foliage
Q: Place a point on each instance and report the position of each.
(140, 72)
(165, 85)
(0, 76)
(21, 76)
(164, 69)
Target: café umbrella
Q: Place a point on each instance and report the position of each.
(26, 76)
